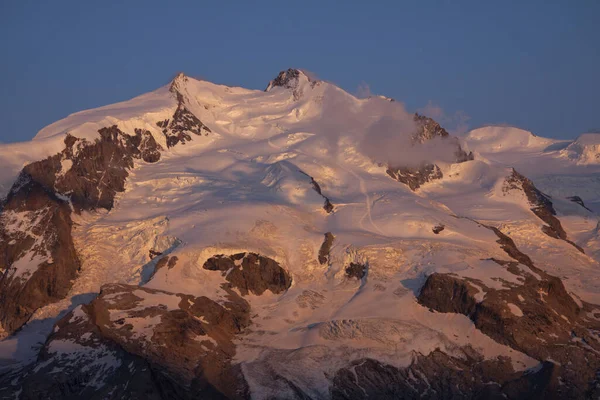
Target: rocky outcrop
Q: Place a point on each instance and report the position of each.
(251, 273)
(77, 362)
(91, 174)
(286, 79)
(356, 270)
(327, 205)
(37, 251)
(440, 376)
(326, 248)
(541, 206)
(177, 129)
(132, 342)
(415, 176)
(537, 317)
(438, 228)
(290, 79)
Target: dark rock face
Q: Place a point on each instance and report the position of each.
(250, 272)
(327, 206)
(289, 79)
(285, 79)
(414, 177)
(97, 170)
(325, 248)
(541, 206)
(149, 149)
(77, 362)
(184, 349)
(438, 228)
(440, 376)
(176, 130)
(36, 250)
(538, 317)
(84, 176)
(356, 270)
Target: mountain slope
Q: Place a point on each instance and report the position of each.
(293, 243)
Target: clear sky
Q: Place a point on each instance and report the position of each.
(532, 64)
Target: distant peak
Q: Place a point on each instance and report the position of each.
(177, 82)
(289, 79)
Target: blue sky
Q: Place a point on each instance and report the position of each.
(533, 64)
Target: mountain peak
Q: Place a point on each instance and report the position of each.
(289, 79)
(177, 82)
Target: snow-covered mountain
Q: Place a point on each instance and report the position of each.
(206, 241)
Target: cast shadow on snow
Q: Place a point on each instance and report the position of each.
(556, 147)
(414, 284)
(149, 268)
(32, 336)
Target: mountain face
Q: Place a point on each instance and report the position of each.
(205, 241)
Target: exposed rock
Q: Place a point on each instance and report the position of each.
(325, 248)
(356, 270)
(290, 79)
(541, 206)
(440, 376)
(96, 171)
(184, 122)
(328, 206)
(77, 361)
(149, 149)
(415, 176)
(286, 79)
(537, 317)
(181, 347)
(153, 253)
(438, 228)
(37, 251)
(250, 272)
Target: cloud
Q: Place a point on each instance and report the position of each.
(381, 129)
(455, 124)
(363, 91)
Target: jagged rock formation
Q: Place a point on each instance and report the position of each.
(184, 350)
(327, 206)
(541, 205)
(326, 248)
(290, 79)
(414, 177)
(250, 272)
(438, 228)
(356, 270)
(176, 129)
(440, 376)
(36, 251)
(537, 317)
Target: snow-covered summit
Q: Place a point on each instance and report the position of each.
(585, 149)
(497, 139)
